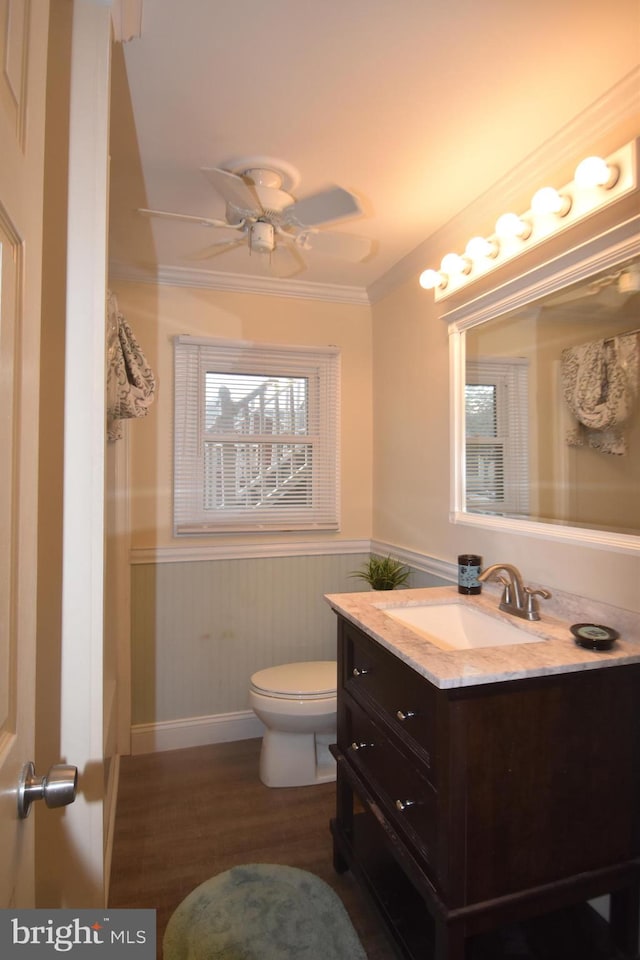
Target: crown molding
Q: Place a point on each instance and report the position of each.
(238, 283)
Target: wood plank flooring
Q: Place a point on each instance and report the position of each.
(184, 816)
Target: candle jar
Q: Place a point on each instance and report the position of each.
(469, 566)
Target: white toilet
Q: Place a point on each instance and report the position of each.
(297, 704)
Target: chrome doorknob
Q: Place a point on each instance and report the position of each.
(57, 788)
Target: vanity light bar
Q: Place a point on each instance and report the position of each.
(598, 181)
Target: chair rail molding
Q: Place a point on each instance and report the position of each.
(247, 551)
(445, 569)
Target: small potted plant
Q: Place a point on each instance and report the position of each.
(383, 573)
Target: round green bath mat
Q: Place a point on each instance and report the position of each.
(262, 911)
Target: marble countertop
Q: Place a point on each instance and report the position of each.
(557, 651)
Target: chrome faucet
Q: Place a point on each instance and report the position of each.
(518, 600)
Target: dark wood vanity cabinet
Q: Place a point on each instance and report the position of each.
(466, 808)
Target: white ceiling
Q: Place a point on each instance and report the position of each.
(416, 106)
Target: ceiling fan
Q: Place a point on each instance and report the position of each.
(601, 294)
(265, 216)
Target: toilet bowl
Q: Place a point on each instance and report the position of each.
(297, 704)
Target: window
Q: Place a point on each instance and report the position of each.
(255, 445)
(496, 424)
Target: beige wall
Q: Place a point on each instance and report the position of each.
(193, 651)
(411, 413)
(201, 628)
(157, 314)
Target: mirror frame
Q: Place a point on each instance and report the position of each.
(600, 253)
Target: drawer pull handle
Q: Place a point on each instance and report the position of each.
(360, 746)
(359, 673)
(402, 716)
(403, 804)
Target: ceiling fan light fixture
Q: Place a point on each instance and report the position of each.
(265, 215)
(262, 237)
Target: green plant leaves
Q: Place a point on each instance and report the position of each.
(383, 573)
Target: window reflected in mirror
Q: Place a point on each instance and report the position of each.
(552, 407)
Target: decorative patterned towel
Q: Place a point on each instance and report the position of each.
(262, 911)
(600, 385)
(130, 381)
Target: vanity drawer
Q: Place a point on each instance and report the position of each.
(408, 799)
(406, 701)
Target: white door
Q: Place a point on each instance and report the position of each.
(79, 878)
(23, 57)
(75, 865)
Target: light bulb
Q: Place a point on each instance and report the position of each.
(548, 200)
(454, 264)
(432, 279)
(480, 247)
(596, 172)
(510, 227)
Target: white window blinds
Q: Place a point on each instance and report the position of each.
(255, 437)
(497, 436)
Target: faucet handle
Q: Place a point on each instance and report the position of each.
(506, 594)
(532, 606)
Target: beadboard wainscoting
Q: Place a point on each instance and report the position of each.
(199, 630)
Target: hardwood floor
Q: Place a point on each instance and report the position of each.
(184, 816)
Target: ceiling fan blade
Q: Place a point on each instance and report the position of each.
(334, 203)
(236, 191)
(344, 246)
(287, 261)
(216, 248)
(204, 221)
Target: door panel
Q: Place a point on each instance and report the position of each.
(14, 26)
(10, 281)
(70, 868)
(23, 53)
(70, 842)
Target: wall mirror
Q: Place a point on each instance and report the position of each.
(546, 399)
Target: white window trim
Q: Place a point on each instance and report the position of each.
(510, 376)
(192, 357)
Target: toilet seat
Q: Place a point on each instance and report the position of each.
(297, 703)
(313, 680)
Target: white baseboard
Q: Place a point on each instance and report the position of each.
(194, 732)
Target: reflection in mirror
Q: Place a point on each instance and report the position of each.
(551, 407)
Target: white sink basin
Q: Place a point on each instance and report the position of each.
(455, 626)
